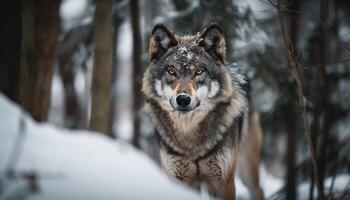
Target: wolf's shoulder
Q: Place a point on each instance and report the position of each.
(240, 78)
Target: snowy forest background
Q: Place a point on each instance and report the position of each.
(78, 64)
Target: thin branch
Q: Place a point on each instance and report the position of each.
(296, 75)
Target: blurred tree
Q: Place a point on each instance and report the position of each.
(28, 69)
(118, 18)
(137, 70)
(323, 90)
(291, 127)
(10, 50)
(74, 115)
(28, 72)
(47, 22)
(102, 72)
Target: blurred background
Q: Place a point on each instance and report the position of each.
(78, 64)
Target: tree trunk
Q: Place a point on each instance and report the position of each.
(10, 49)
(102, 72)
(291, 169)
(47, 22)
(137, 70)
(323, 90)
(28, 69)
(290, 126)
(320, 96)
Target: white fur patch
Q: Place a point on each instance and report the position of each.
(214, 89)
(158, 87)
(164, 92)
(208, 92)
(168, 92)
(202, 92)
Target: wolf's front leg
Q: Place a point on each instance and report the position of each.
(218, 171)
(179, 168)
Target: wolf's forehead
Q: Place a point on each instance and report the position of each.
(186, 54)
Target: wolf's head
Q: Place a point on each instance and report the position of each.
(187, 73)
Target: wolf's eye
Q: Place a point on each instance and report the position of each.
(199, 71)
(171, 71)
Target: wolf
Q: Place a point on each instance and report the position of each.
(206, 123)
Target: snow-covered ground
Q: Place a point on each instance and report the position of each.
(41, 161)
(74, 164)
(84, 165)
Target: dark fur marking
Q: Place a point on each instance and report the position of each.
(214, 167)
(181, 170)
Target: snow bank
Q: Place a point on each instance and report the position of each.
(75, 164)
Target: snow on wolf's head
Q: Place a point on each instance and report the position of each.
(187, 73)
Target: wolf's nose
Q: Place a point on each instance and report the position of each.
(183, 100)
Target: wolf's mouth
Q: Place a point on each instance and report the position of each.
(184, 109)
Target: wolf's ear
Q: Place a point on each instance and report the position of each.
(161, 40)
(213, 41)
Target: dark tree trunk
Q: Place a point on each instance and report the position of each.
(10, 49)
(323, 91)
(320, 96)
(137, 70)
(47, 24)
(102, 72)
(28, 68)
(291, 169)
(329, 118)
(290, 125)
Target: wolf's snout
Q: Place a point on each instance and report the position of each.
(183, 100)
